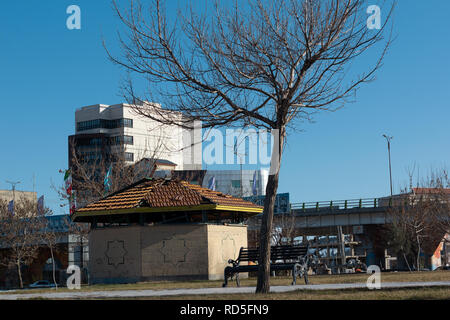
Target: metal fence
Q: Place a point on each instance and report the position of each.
(340, 204)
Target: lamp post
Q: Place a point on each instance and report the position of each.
(388, 139)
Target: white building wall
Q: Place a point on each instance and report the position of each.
(151, 139)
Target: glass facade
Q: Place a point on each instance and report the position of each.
(104, 124)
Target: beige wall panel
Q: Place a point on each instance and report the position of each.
(224, 242)
(174, 251)
(115, 255)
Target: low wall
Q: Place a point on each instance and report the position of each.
(165, 252)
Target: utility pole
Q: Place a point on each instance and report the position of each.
(341, 244)
(388, 139)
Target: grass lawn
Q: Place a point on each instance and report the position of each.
(274, 281)
(432, 293)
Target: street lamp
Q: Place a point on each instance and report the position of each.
(13, 187)
(388, 139)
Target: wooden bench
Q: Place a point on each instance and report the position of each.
(287, 257)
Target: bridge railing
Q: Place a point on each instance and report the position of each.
(340, 204)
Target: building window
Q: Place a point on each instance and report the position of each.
(90, 156)
(87, 125)
(127, 139)
(129, 156)
(95, 142)
(104, 124)
(236, 183)
(127, 123)
(117, 140)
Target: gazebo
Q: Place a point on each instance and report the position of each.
(163, 229)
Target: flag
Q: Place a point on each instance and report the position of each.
(40, 205)
(212, 183)
(69, 191)
(107, 181)
(255, 192)
(11, 207)
(68, 182)
(73, 205)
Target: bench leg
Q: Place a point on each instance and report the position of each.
(238, 281)
(225, 277)
(294, 274)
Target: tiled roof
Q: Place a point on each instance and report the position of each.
(162, 193)
(431, 191)
(159, 161)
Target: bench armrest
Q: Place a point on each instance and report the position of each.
(235, 263)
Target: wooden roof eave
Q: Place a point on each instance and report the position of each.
(254, 210)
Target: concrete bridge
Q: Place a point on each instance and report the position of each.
(355, 212)
(352, 226)
(321, 216)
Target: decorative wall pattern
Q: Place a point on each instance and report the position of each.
(115, 252)
(174, 250)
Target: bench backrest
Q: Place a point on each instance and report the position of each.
(287, 252)
(276, 253)
(246, 254)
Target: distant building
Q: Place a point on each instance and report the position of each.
(103, 131)
(281, 206)
(238, 183)
(107, 134)
(233, 182)
(9, 195)
(413, 195)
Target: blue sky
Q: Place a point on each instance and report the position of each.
(48, 71)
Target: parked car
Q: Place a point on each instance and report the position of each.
(442, 268)
(42, 284)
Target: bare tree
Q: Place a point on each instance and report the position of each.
(284, 231)
(3, 208)
(49, 237)
(89, 168)
(262, 64)
(21, 235)
(420, 217)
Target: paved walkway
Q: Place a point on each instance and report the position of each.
(208, 291)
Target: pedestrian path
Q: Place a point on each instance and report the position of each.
(208, 291)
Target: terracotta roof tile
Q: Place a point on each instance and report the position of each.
(161, 193)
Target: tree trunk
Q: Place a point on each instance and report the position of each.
(263, 285)
(53, 265)
(19, 272)
(82, 257)
(406, 260)
(418, 253)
